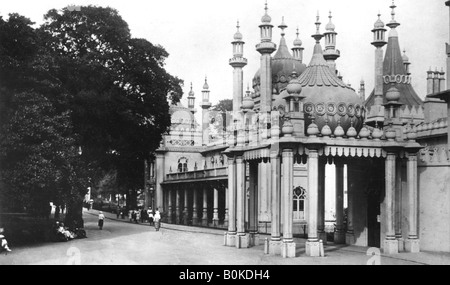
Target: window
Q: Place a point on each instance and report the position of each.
(299, 203)
(182, 164)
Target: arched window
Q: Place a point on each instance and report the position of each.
(182, 164)
(299, 203)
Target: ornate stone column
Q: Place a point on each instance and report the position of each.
(398, 206)
(253, 204)
(288, 245)
(351, 181)
(390, 244)
(275, 239)
(178, 206)
(225, 221)
(412, 244)
(194, 206)
(186, 212)
(205, 206)
(321, 207)
(231, 235)
(216, 207)
(312, 244)
(339, 234)
(242, 240)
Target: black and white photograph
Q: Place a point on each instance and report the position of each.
(235, 134)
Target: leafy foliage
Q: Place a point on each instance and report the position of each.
(78, 82)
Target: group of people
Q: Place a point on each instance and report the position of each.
(63, 233)
(3, 242)
(154, 218)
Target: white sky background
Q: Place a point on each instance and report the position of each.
(198, 34)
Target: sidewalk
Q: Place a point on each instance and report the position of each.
(343, 251)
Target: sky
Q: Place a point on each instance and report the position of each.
(197, 34)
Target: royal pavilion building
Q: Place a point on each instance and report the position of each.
(260, 172)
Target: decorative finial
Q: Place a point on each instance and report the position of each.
(317, 36)
(317, 23)
(265, 8)
(297, 33)
(237, 25)
(393, 24)
(282, 26)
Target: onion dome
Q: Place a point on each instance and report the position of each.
(191, 93)
(294, 87)
(206, 86)
(312, 130)
(405, 57)
(364, 133)
(338, 131)
(351, 132)
(392, 95)
(330, 26)
(326, 131)
(390, 133)
(298, 42)
(266, 19)
(377, 133)
(327, 97)
(288, 128)
(378, 24)
(247, 102)
(238, 36)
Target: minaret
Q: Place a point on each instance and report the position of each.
(191, 101)
(205, 105)
(406, 62)
(378, 41)
(297, 50)
(266, 47)
(330, 53)
(362, 90)
(238, 62)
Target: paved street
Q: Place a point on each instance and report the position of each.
(121, 242)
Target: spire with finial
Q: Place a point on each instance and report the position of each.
(266, 26)
(238, 35)
(406, 62)
(205, 95)
(191, 99)
(297, 50)
(330, 26)
(330, 53)
(393, 23)
(266, 18)
(282, 26)
(317, 36)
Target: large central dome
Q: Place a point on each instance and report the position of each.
(328, 99)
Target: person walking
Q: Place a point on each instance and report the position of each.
(101, 219)
(150, 216)
(157, 219)
(4, 242)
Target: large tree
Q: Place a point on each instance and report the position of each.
(107, 94)
(39, 161)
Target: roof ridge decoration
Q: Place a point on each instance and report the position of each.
(318, 73)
